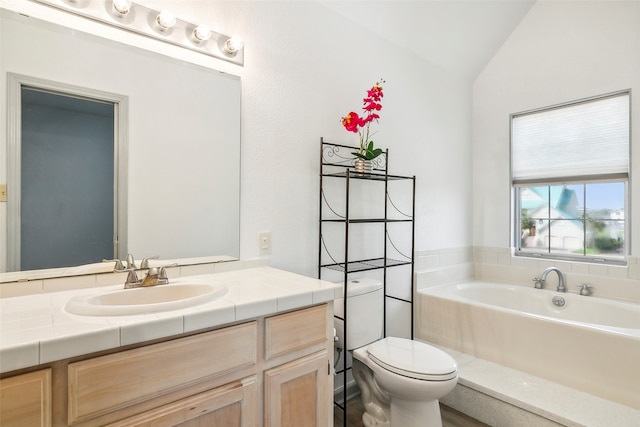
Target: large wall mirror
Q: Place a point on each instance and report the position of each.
(176, 139)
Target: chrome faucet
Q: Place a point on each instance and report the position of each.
(540, 282)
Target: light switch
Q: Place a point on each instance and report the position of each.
(264, 243)
(3, 192)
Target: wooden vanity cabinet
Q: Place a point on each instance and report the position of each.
(273, 371)
(25, 400)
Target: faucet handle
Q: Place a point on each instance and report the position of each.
(585, 289)
(145, 261)
(131, 262)
(118, 266)
(537, 283)
(163, 279)
(132, 278)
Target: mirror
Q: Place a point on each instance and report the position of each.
(182, 136)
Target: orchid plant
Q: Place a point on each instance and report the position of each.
(360, 125)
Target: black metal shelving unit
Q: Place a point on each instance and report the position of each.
(337, 163)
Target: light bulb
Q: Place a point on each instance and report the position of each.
(233, 45)
(166, 20)
(201, 33)
(122, 7)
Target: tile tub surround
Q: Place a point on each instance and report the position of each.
(618, 282)
(35, 329)
(447, 265)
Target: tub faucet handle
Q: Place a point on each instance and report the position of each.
(537, 283)
(585, 289)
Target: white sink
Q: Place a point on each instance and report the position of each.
(146, 300)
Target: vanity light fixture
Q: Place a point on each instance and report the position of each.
(164, 26)
(165, 20)
(121, 7)
(233, 45)
(201, 33)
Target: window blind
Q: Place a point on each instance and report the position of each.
(585, 139)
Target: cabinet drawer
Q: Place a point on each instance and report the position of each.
(229, 406)
(293, 331)
(25, 400)
(108, 383)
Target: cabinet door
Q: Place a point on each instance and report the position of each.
(25, 400)
(232, 405)
(297, 393)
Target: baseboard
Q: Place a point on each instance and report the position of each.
(352, 391)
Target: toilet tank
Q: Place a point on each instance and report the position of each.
(364, 313)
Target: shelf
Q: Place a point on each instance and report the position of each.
(337, 162)
(366, 220)
(368, 176)
(365, 265)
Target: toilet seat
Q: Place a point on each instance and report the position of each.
(413, 359)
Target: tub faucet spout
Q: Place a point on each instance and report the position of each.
(561, 287)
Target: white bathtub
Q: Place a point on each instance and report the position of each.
(589, 343)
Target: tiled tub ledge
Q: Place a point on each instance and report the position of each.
(504, 397)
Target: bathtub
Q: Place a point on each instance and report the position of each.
(587, 343)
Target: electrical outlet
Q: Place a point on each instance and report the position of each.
(264, 243)
(3, 192)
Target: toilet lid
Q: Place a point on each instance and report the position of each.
(413, 359)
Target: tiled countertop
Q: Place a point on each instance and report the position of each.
(35, 329)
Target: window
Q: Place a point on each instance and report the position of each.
(570, 176)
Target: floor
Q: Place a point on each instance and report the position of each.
(450, 417)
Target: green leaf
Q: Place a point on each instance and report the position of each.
(357, 154)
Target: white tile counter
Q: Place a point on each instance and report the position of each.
(35, 329)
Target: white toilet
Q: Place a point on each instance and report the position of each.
(400, 380)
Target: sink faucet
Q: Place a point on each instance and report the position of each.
(540, 282)
(155, 276)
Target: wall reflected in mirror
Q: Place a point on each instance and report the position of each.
(182, 136)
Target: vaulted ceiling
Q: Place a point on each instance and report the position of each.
(460, 36)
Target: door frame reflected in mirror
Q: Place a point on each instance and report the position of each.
(15, 85)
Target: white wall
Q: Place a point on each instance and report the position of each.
(305, 67)
(302, 76)
(561, 51)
